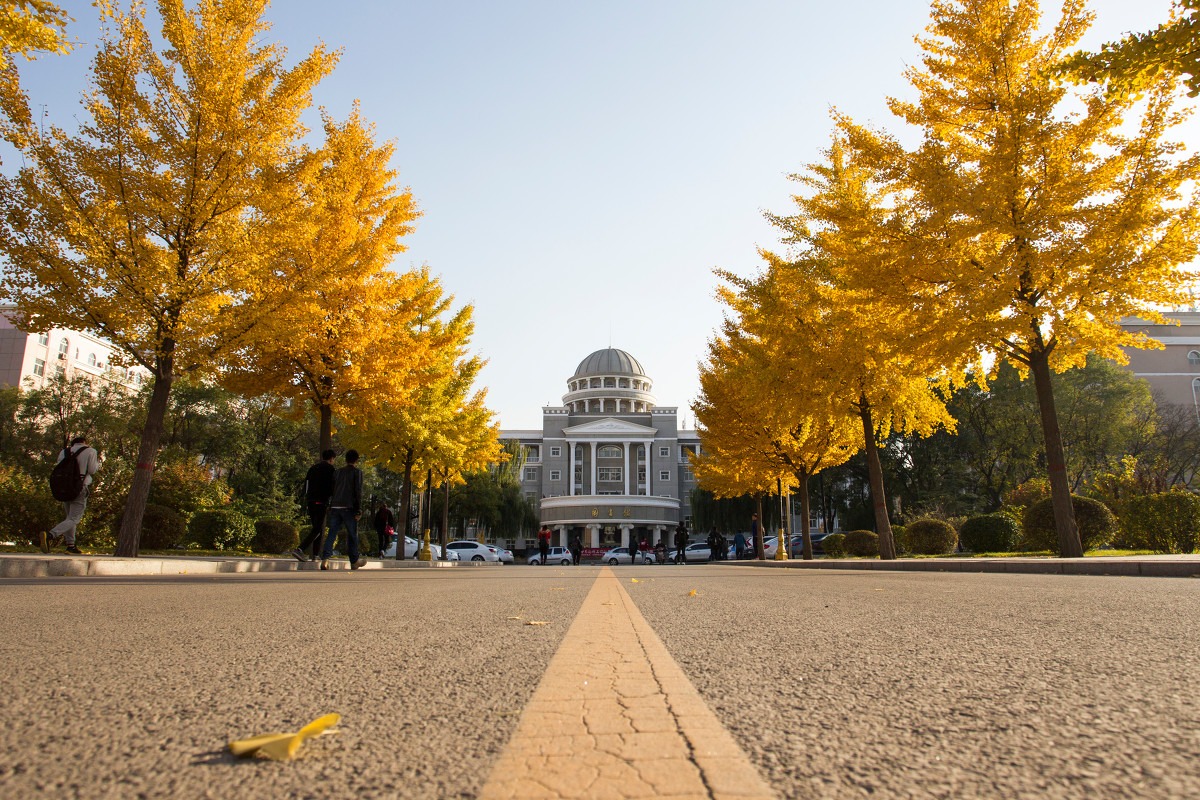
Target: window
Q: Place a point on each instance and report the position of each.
(59, 371)
(531, 474)
(64, 346)
(609, 473)
(531, 497)
(641, 474)
(641, 452)
(555, 475)
(91, 359)
(44, 339)
(610, 383)
(623, 383)
(664, 475)
(664, 452)
(579, 452)
(39, 367)
(686, 474)
(533, 453)
(608, 451)
(555, 452)
(1194, 358)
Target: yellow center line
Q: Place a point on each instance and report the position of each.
(615, 716)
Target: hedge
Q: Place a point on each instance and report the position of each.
(834, 545)
(274, 536)
(28, 507)
(1165, 523)
(991, 533)
(862, 543)
(900, 539)
(931, 537)
(163, 528)
(1096, 523)
(221, 529)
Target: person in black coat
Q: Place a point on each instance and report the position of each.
(318, 488)
(384, 522)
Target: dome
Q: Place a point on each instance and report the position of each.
(609, 361)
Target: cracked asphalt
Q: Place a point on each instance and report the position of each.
(835, 684)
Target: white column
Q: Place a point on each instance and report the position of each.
(571, 469)
(594, 535)
(562, 536)
(594, 449)
(628, 446)
(625, 531)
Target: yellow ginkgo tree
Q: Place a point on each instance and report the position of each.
(149, 226)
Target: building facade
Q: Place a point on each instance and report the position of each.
(32, 359)
(1174, 371)
(609, 464)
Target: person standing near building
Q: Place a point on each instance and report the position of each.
(576, 549)
(88, 462)
(318, 488)
(681, 543)
(754, 534)
(384, 526)
(344, 508)
(544, 545)
(739, 545)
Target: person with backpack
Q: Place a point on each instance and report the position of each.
(344, 508)
(69, 481)
(318, 488)
(385, 523)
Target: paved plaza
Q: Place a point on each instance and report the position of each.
(659, 681)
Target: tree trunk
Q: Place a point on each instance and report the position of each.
(405, 505)
(805, 531)
(326, 427)
(1069, 544)
(883, 525)
(445, 514)
(760, 550)
(139, 488)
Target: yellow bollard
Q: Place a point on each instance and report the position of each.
(782, 546)
(424, 553)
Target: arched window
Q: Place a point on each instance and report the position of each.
(596, 383)
(623, 383)
(91, 359)
(641, 452)
(64, 346)
(1194, 358)
(610, 406)
(610, 383)
(608, 451)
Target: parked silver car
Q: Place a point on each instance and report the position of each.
(474, 551)
(622, 555)
(557, 555)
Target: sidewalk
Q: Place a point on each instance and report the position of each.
(1166, 566)
(36, 565)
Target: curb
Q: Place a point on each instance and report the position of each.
(14, 566)
(1045, 566)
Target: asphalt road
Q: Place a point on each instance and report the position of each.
(837, 685)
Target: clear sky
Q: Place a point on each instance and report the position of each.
(584, 166)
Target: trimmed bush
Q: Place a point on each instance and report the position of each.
(834, 545)
(28, 506)
(991, 533)
(1097, 525)
(862, 543)
(221, 529)
(1165, 523)
(931, 537)
(162, 528)
(274, 536)
(900, 539)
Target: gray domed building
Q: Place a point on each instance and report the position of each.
(609, 464)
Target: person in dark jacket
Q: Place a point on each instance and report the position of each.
(576, 549)
(544, 545)
(344, 508)
(384, 523)
(318, 488)
(681, 543)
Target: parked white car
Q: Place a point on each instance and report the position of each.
(474, 551)
(411, 546)
(621, 555)
(697, 551)
(506, 556)
(557, 555)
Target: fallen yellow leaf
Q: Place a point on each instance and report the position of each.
(635, 580)
(692, 593)
(558, 588)
(282, 746)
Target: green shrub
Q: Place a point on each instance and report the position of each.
(991, 533)
(162, 528)
(834, 545)
(1165, 523)
(28, 507)
(900, 539)
(862, 543)
(1096, 523)
(931, 537)
(221, 529)
(274, 536)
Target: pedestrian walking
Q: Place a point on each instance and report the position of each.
(385, 523)
(681, 543)
(344, 508)
(754, 534)
(87, 463)
(713, 544)
(318, 488)
(739, 545)
(576, 549)
(544, 545)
